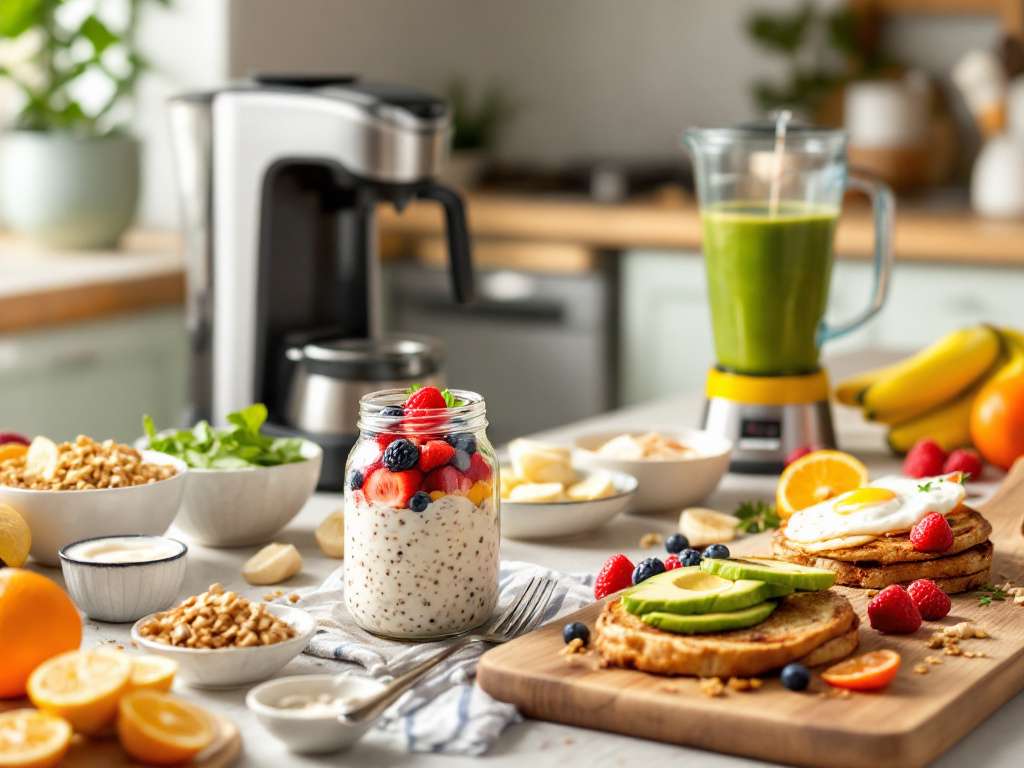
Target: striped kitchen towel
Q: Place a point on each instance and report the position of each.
(445, 713)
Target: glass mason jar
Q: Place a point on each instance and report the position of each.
(421, 518)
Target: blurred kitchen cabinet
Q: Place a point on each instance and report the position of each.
(95, 378)
(666, 342)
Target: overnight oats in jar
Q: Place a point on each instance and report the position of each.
(421, 515)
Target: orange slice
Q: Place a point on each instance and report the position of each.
(32, 739)
(155, 673)
(12, 451)
(818, 477)
(864, 673)
(83, 687)
(161, 729)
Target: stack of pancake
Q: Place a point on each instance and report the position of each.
(892, 558)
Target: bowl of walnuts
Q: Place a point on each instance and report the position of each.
(84, 489)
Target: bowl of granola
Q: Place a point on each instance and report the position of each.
(69, 492)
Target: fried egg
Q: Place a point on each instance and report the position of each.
(893, 504)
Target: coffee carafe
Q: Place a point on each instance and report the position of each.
(770, 195)
(280, 178)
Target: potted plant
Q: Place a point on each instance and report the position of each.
(477, 130)
(69, 174)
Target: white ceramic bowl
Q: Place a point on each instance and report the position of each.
(58, 518)
(240, 507)
(304, 733)
(122, 592)
(665, 484)
(553, 519)
(234, 667)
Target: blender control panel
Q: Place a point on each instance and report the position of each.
(760, 434)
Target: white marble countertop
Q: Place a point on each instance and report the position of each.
(997, 743)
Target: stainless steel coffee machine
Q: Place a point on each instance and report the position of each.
(280, 178)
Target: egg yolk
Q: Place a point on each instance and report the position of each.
(862, 497)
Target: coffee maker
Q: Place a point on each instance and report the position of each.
(280, 178)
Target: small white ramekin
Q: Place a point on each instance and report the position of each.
(123, 592)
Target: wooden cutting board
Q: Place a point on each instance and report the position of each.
(107, 753)
(909, 724)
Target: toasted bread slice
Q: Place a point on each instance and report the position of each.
(835, 649)
(802, 623)
(969, 530)
(953, 573)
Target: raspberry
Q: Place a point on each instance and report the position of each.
(616, 574)
(931, 601)
(796, 453)
(925, 459)
(672, 562)
(932, 534)
(964, 460)
(893, 611)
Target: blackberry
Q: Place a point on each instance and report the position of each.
(419, 501)
(652, 566)
(573, 630)
(690, 557)
(676, 543)
(717, 552)
(355, 479)
(401, 455)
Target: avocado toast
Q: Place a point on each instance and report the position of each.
(728, 618)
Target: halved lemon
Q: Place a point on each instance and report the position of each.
(864, 673)
(818, 477)
(83, 687)
(33, 739)
(160, 729)
(155, 673)
(15, 536)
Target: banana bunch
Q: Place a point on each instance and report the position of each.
(930, 394)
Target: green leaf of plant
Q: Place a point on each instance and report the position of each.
(19, 16)
(97, 33)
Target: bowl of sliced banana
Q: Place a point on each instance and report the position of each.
(543, 496)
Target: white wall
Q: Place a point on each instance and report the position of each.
(593, 76)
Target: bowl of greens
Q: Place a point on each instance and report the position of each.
(243, 486)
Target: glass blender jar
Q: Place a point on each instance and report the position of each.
(770, 195)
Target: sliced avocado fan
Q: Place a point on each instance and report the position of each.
(690, 590)
(800, 577)
(710, 622)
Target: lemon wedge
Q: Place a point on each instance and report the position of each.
(83, 687)
(153, 672)
(15, 537)
(158, 728)
(272, 564)
(33, 739)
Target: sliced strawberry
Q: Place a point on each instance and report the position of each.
(434, 454)
(393, 489)
(479, 470)
(384, 439)
(425, 397)
(449, 481)
(13, 437)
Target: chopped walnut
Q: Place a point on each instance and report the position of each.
(574, 646)
(921, 669)
(650, 539)
(933, 659)
(294, 598)
(871, 592)
(744, 684)
(712, 686)
(952, 650)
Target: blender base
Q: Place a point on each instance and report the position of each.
(766, 417)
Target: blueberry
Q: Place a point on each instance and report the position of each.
(796, 677)
(401, 455)
(676, 543)
(460, 460)
(419, 501)
(392, 411)
(690, 557)
(652, 566)
(355, 479)
(573, 630)
(462, 441)
(717, 552)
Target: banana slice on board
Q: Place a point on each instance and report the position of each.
(597, 486)
(706, 526)
(535, 493)
(330, 534)
(272, 564)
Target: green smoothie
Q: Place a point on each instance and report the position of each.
(768, 277)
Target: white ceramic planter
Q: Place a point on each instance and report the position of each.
(66, 191)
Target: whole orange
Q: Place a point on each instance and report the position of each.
(37, 621)
(997, 421)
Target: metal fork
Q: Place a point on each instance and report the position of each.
(521, 617)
